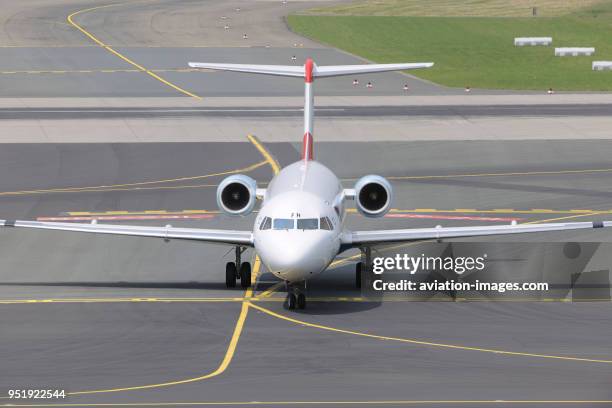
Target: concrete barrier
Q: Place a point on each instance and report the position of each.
(574, 51)
(522, 41)
(602, 65)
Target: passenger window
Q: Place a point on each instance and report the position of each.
(266, 224)
(326, 224)
(307, 224)
(283, 223)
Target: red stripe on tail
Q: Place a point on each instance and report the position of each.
(307, 147)
(308, 66)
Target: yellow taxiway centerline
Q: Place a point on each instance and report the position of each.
(227, 358)
(108, 48)
(140, 183)
(524, 173)
(421, 342)
(265, 153)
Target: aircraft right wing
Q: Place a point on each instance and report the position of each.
(357, 238)
(228, 237)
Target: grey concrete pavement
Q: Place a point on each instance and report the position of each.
(210, 129)
(555, 110)
(158, 35)
(141, 342)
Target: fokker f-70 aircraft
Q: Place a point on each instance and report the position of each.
(300, 229)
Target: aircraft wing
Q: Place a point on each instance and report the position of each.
(357, 238)
(194, 234)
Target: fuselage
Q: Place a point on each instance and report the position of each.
(297, 231)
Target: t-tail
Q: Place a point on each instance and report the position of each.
(309, 71)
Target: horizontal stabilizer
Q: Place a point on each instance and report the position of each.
(317, 71)
(338, 70)
(281, 70)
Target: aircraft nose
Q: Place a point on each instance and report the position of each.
(295, 258)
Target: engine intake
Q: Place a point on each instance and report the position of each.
(236, 195)
(373, 196)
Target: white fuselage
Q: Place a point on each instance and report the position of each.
(297, 231)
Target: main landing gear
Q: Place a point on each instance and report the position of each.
(238, 270)
(296, 299)
(361, 267)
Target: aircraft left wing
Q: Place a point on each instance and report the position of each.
(228, 237)
(357, 238)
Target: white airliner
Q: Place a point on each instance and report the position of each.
(300, 229)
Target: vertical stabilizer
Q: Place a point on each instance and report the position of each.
(308, 142)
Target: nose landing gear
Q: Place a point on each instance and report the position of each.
(238, 270)
(296, 299)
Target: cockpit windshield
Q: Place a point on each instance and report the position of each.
(300, 223)
(307, 223)
(283, 223)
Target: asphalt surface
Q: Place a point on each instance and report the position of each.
(123, 321)
(143, 312)
(584, 110)
(43, 54)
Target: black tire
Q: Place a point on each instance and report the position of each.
(358, 269)
(291, 301)
(301, 301)
(245, 275)
(230, 275)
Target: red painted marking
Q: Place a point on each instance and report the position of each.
(308, 66)
(450, 217)
(129, 217)
(307, 147)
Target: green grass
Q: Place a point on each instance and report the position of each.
(458, 8)
(476, 51)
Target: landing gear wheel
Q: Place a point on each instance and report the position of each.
(301, 301)
(230, 275)
(291, 301)
(245, 275)
(358, 269)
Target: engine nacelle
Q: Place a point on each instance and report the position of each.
(236, 195)
(373, 196)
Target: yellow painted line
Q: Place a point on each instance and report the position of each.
(541, 210)
(265, 153)
(227, 358)
(560, 218)
(255, 271)
(103, 71)
(266, 297)
(196, 212)
(141, 183)
(270, 291)
(466, 210)
(106, 190)
(526, 173)
(121, 300)
(424, 343)
(118, 54)
(335, 402)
